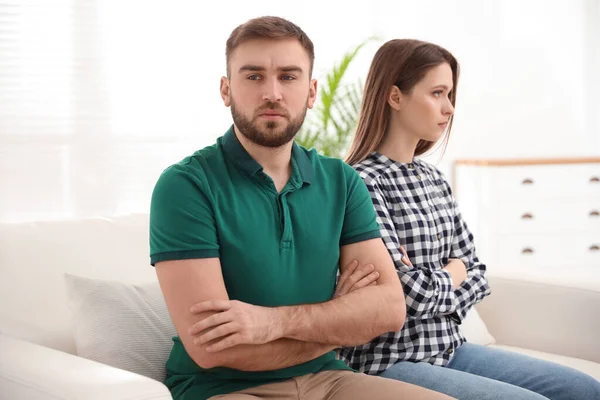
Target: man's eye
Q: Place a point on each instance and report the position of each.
(254, 77)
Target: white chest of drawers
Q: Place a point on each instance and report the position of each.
(532, 213)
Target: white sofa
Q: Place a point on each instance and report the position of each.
(39, 356)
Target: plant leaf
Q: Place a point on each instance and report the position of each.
(333, 119)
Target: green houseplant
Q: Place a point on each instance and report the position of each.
(333, 119)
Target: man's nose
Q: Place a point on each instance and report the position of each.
(272, 91)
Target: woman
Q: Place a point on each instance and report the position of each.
(408, 106)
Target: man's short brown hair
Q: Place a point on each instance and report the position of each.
(269, 28)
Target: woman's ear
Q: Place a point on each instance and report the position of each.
(396, 98)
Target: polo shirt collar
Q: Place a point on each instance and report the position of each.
(238, 153)
(304, 165)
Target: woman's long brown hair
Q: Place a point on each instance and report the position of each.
(403, 63)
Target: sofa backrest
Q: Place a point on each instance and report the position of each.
(35, 256)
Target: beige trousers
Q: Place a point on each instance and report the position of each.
(335, 385)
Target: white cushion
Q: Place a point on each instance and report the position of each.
(544, 316)
(123, 325)
(35, 255)
(474, 329)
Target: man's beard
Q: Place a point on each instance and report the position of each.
(271, 135)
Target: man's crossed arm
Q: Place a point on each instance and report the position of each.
(217, 331)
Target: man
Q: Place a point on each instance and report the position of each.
(247, 234)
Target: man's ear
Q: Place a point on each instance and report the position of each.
(225, 91)
(312, 93)
(396, 98)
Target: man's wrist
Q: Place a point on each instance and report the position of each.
(281, 325)
(288, 321)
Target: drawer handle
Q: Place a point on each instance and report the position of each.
(594, 247)
(594, 213)
(527, 181)
(527, 216)
(594, 179)
(527, 250)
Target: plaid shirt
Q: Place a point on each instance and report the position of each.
(416, 210)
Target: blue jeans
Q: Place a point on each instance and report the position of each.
(481, 373)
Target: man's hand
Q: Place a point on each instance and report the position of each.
(234, 323)
(458, 270)
(354, 278)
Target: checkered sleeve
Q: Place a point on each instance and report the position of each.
(473, 289)
(428, 293)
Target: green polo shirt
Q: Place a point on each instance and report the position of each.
(275, 249)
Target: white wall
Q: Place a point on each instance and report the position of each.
(592, 76)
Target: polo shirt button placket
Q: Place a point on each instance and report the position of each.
(285, 220)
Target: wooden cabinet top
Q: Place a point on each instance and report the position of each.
(527, 161)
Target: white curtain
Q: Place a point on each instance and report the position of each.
(95, 100)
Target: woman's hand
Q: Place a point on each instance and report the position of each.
(405, 259)
(458, 271)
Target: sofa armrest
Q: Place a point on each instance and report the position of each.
(548, 314)
(29, 371)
